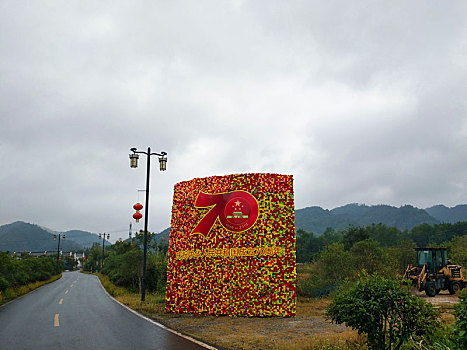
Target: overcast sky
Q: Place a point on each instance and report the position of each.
(361, 101)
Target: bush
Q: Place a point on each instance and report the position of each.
(16, 272)
(15, 292)
(124, 267)
(381, 309)
(3, 284)
(310, 287)
(333, 265)
(460, 330)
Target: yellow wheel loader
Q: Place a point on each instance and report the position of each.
(435, 272)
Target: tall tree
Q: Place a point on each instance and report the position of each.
(353, 235)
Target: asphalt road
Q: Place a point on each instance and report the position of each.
(76, 313)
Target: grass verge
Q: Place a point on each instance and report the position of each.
(13, 293)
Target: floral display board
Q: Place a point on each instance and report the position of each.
(232, 246)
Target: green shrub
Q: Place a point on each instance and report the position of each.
(4, 284)
(309, 287)
(123, 266)
(460, 330)
(386, 313)
(14, 292)
(17, 272)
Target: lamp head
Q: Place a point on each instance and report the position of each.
(134, 160)
(163, 162)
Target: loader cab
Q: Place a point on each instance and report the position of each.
(434, 258)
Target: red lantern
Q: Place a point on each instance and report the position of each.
(137, 215)
(138, 206)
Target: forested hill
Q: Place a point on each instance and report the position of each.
(20, 236)
(448, 215)
(317, 220)
(84, 238)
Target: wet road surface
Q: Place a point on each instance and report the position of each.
(76, 313)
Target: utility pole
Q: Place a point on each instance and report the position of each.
(103, 241)
(58, 247)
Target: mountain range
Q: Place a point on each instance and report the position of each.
(317, 220)
(448, 215)
(21, 236)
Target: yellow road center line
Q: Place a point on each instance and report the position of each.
(66, 291)
(56, 323)
(61, 301)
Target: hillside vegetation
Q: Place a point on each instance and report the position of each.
(123, 263)
(318, 220)
(338, 255)
(19, 276)
(23, 237)
(20, 236)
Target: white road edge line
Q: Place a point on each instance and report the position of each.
(157, 323)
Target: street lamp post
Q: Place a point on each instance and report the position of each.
(103, 241)
(58, 246)
(134, 164)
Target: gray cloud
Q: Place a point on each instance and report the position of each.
(361, 102)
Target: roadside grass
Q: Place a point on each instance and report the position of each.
(15, 292)
(304, 270)
(111, 288)
(154, 302)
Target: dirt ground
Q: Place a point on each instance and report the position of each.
(444, 303)
(305, 331)
(442, 299)
(310, 326)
